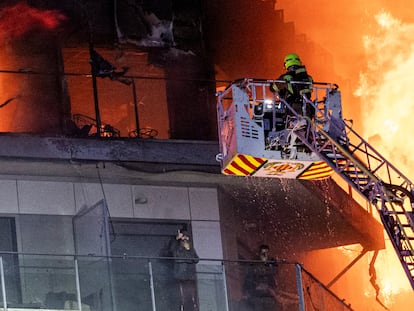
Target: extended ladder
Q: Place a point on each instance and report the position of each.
(370, 174)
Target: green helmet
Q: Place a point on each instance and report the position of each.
(292, 59)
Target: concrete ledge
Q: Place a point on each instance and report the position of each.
(109, 149)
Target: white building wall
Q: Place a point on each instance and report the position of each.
(8, 193)
(45, 197)
(118, 197)
(161, 202)
(196, 205)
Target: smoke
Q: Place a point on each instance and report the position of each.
(20, 19)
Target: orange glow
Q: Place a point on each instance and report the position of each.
(386, 88)
(27, 42)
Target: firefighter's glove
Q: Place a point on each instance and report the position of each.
(273, 88)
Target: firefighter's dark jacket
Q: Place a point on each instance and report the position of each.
(292, 92)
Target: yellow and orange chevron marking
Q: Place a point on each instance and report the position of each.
(318, 170)
(243, 165)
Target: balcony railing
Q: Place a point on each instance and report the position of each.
(123, 283)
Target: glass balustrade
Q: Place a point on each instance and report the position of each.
(94, 283)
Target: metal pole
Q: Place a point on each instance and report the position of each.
(95, 94)
(299, 283)
(108, 253)
(154, 308)
(3, 285)
(134, 94)
(94, 84)
(78, 292)
(226, 298)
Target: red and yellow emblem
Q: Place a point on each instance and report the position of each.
(282, 168)
(318, 170)
(246, 165)
(243, 165)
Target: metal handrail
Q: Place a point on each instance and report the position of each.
(77, 257)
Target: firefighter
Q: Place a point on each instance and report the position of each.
(292, 92)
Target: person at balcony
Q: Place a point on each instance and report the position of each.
(184, 270)
(260, 283)
(293, 85)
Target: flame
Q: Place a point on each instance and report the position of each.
(386, 90)
(386, 93)
(384, 105)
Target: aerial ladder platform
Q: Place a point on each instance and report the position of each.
(261, 135)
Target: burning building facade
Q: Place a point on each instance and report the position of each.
(86, 193)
